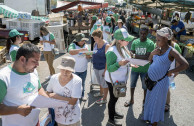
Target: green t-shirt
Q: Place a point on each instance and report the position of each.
(141, 48)
(116, 16)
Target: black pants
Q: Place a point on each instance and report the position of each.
(92, 43)
(112, 102)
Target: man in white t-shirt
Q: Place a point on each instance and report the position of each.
(19, 84)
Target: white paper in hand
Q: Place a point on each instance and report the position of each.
(138, 62)
(44, 102)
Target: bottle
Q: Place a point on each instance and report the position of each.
(116, 83)
(171, 82)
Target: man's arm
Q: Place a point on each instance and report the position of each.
(42, 92)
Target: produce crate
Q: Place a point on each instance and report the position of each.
(56, 18)
(3, 60)
(33, 27)
(13, 24)
(59, 36)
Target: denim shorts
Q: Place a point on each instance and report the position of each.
(134, 78)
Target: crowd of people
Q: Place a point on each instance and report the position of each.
(20, 84)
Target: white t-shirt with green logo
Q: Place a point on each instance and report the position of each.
(81, 63)
(47, 46)
(69, 114)
(18, 89)
(13, 51)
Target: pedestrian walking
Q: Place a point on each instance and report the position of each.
(20, 85)
(13, 42)
(161, 59)
(99, 64)
(66, 86)
(48, 41)
(81, 60)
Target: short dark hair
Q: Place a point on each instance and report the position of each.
(27, 50)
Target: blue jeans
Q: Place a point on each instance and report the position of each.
(82, 75)
(134, 78)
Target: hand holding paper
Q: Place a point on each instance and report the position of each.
(44, 102)
(138, 62)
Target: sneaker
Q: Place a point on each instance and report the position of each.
(97, 94)
(118, 115)
(101, 101)
(114, 123)
(47, 78)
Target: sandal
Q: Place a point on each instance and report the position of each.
(128, 103)
(167, 108)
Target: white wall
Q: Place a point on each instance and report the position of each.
(26, 5)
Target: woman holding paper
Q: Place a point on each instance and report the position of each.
(75, 50)
(116, 61)
(161, 59)
(66, 86)
(99, 64)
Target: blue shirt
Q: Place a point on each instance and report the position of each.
(99, 58)
(178, 27)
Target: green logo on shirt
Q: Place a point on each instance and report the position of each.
(28, 88)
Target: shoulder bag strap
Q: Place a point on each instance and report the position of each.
(163, 76)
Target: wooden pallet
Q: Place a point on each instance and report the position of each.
(2, 61)
(2, 49)
(2, 53)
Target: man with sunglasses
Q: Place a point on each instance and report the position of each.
(140, 49)
(20, 85)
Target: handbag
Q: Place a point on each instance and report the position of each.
(150, 83)
(119, 88)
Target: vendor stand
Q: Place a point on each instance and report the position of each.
(79, 6)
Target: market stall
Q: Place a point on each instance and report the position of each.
(21, 21)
